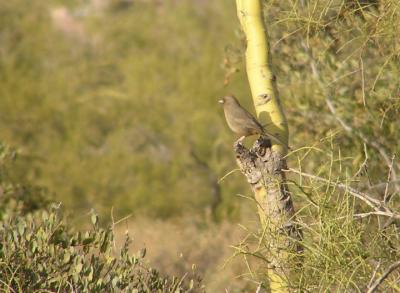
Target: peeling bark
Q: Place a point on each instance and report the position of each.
(263, 168)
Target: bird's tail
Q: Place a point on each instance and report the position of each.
(276, 139)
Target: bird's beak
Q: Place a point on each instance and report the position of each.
(221, 101)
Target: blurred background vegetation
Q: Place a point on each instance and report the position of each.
(111, 105)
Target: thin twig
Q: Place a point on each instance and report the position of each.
(372, 202)
(373, 144)
(112, 226)
(348, 128)
(343, 76)
(383, 184)
(340, 120)
(385, 274)
(385, 197)
(259, 288)
(378, 206)
(374, 274)
(123, 219)
(227, 174)
(377, 213)
(363, 165)
(362, 81)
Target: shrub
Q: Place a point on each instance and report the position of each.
(40, 252)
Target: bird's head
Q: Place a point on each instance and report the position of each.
(227, 100)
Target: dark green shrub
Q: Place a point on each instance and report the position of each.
(39, 253)
(16, 196)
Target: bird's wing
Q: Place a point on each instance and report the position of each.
(248, 118)
(257, 124)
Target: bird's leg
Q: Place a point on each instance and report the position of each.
(261, 145)
(240, 140)
(264, 141)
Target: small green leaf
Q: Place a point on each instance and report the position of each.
(106, 243)
(115, 281)
(90, 274)
(142, 253)
(88, 241)
(78, 267)
(95, 219)
(21, 228)
(45, 216)
(67, 257)
(33, 246)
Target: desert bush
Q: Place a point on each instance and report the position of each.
(124, 115)
(17, 196)
(39, 252)
(337, 67)
(347, 245)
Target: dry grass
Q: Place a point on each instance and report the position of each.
(179, 246)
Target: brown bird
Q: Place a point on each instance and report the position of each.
(241, 122)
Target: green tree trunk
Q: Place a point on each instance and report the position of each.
(263, 163)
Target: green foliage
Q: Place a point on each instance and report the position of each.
(340, 60)
(17, 197)
(109, 108)
(346, 246)
(121, 111)
(109, 104)
(40, 253)
(344, 242)
(337, 64)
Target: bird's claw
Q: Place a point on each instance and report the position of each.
(240, 140)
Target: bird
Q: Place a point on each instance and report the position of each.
(241, 122)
